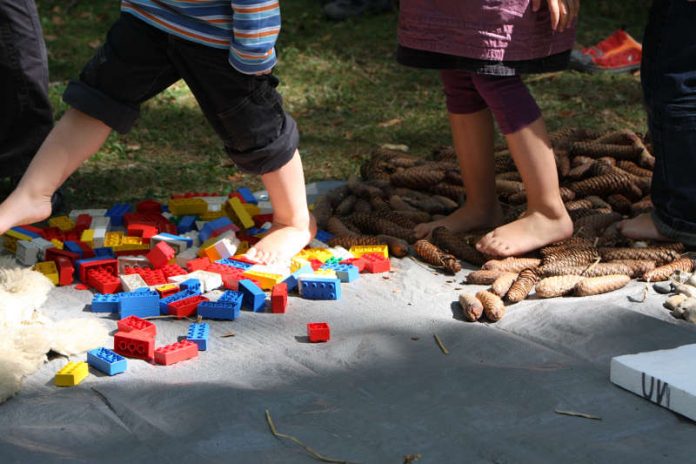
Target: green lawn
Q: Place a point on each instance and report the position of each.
(340, 82)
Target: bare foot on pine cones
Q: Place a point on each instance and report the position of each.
(641, 227)
(463, 219)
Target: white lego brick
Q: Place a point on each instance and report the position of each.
(101, 222)
(27, 252)
(193, 235)
(341, 253)
(132, 282)
(215, 201)
(209, 280)
(186, 256)
(94, 212)
(132, 261)
(227, 247)
(664, 377)
(265, 207)
(213, 295)
(42, 245)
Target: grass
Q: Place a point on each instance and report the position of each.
(339, 81)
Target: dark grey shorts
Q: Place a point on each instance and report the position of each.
(139, 61)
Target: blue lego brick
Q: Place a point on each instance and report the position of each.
(345, 272)
(320, 288)
(232, 296)
(225, 310)
(104, 252)
(116, 213)
(179, 238)
(139, 303)
(211, 226)
(73, 247)
(26, 232)
(323, 236)
(198, 333)
(253, 297)
(233, 263)
(292, 280)
(247, 195)
(107, 361)
(175, 297)
(102, 303)
(191, 284)
(186, 224)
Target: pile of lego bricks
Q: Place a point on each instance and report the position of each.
(184, 259)
(604, 178)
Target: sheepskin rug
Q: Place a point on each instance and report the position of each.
(27, 336)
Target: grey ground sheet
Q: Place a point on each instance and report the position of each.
(381, 389)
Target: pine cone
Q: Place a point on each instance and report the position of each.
(552, 287)
(337, 227)
(665, 272)
(660, 255)
(398, 204)
(399, 219)
(510, 175)
(322, 211)
(436, 257)
(604, 185)
(597, 150)
(562, 163)
(374, 224)
(444, 153)
(643, 206)
(483, 277)
(565, 245)
(580, 171)
(522, 286)
(471, 307)
(571, 256)
(594, 224)
(502, 284)
(619, 203)
(504, 163)
(493, 306)
(589, 270)
(452, 243)
(511, 264)
(417, 177)
(345, 207)
(637, 267)
(453, 192)
(508, 186)
(362, 206)
(633, 168)
(598, 285)
(583, 203)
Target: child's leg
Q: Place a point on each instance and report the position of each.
(75, 138)
(472, 133)
(546, 219)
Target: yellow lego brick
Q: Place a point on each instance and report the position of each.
(64, 223)
(10, 243)
(211, 215)
(321, 254)
(240, 213)
(297, 263)
(131, 243)
(17, 235)
(265, 279)
(72, 374)
(112, 239)
(252, 209)
(325, 273)
(88, 236)
(166, 288)
(188, 206)
(49, 269)
(360, 250)
(57, 243)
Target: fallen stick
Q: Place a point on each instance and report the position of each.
(577, 414)
(440, 344)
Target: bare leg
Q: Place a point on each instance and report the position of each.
(75, 138)
(293, 226)
(546, 219)
(473, 141)
(641, 227)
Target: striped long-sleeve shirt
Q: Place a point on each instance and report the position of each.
(247, 28)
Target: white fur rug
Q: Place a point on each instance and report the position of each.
(26, 336)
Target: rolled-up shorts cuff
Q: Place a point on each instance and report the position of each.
(117, 115)
(273, 156)
(675, 229)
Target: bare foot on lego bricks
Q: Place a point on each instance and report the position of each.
(282, 242)
(21, 208)
(464, 219)
(641, 227)
(534, 230)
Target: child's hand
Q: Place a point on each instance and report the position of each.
(563, 12)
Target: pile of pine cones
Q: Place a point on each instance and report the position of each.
(604, 178)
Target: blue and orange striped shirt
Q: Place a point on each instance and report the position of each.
(248, 28)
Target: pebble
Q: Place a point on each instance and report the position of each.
(663, 288)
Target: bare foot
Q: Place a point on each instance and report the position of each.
(532, 231)
(464, 219)
(641, 227)
(21, 208)
(282, 242)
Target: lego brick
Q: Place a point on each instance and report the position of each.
(84, 265)
(149, 206)
(66, 270)
(17, 235)
(116, 213)
(265, 280)
(359, 250)
(171, 270)
(247, 195)
(27, 253)
(325, 272)
(134, 344)
(319, 288)
(216, 227)
(183, 258)
(225, 309)
(197, 264)
(663, 377)
(88, 212)
(185, 307)
(292, 280)
(253, 297)
(178, 242)
(376, 263)
(64, 223)
(103, 281)
(240, 213)
(213, 295)
(235, 263)
(166, 290)
(198, 333)
(359, 263)
(279, 298)
(151, 276)
(345, 272)
(105, 303)
(176, 352)
(131, 282)
(164, 302)
(227, 247)
(186, 224)
(139, 303)
(319, 254)
(49, 269)
(191, 284)
(144, 231)
(106, 361)
(187, 206)
(323, 236)
(71, 374)
(160, 255)
(132, 323)
(209, 280)
(318, 332)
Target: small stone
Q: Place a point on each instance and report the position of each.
(678, 313)
(674, 301)
(663, 288)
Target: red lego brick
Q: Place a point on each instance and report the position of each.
(145, 231)
(161, 254)
(66, 270)
(224, 270)
(149, 206)
(134, 344)
(261, 219)
(169, 228)
(318, 332)
(376, 263)
(279, 298)
(49, 233)
(81, 287)
(172, 269)
(134, 323)
(316, 264)
(72, 236)
(197, 264)
(103, 281)
(176, 352)
(109, 264)
(357, 262)
(83, 221)
(185, 307)
(52, 253)
(150, 276)
(87, 251)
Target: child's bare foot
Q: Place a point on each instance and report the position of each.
(464, 219)
(21, 208)
(532, 231)
(641, 227)
(282, 242)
